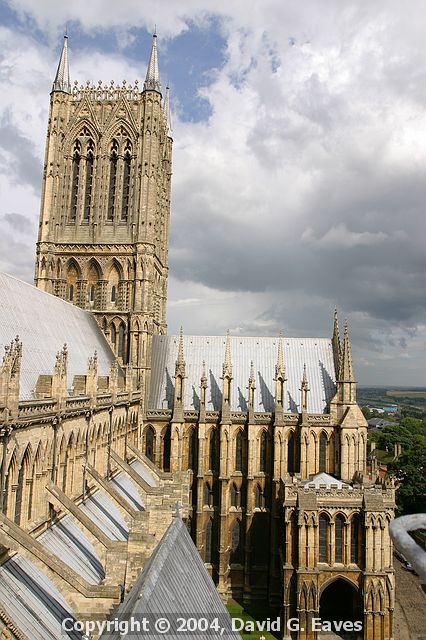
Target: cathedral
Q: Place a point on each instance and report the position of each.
(107, 422)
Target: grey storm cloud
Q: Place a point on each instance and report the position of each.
(22, 164)
(304, 188)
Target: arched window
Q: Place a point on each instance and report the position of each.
(338, 538)
(166, 447)
(207, 495)
(263, 451)
(236, 547)
(113, 293)
(76, 158)
(258, 500)
(149, 443)
(192, 449)
(291, 453)
(72, 278)
(239, 452)
(89, 180)
(92, 293)
(121, 352)
(126, 184)
(212, 451)
(355, 532)
(113, 162)
(323, 452)
(113, 336)
(234, 495)
(323, 538)
(209, 542)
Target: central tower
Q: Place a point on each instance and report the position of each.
(104, 221)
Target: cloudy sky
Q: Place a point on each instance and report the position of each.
(299, 158)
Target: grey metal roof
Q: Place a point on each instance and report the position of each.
(128, 490)
(324, 479)
(44, 323)
(173, 583)
(144, 472)
(102, 510)
(316, 353)
(33, 602)
(67, 541)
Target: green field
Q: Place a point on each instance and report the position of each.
(406, 394)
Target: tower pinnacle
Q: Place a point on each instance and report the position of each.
(152, 80)
(335, 340)
(346, 372)
(62, 78)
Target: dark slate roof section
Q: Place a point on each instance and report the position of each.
(173, 583)
(45, 323)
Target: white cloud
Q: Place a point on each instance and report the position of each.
(305, 186)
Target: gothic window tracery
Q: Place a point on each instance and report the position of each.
(126, 183)
(323, 452)
(76, 159)
(113, 162)
(239, 452)
(338, 538)
(263, 451)
(89, 179)
(236, 546)
(355, 533)
(323, 537)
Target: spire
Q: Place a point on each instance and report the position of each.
(335, 341)
(62, 78)
(251, 386)
(167, 118)
(346, 372)
(304, 390)
(180, 362)
(227, 366)
(279, 367)
(152, 80)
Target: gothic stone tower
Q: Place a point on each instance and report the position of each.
(103, 236)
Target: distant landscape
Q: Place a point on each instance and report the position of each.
(410, 400)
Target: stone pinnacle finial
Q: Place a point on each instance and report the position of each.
(227, 366)
(152, 80)
(304, 390)
(203, 375)
(335, 340)
(62, 78)
(346, 373)
(279, 367)
(180, 358)
(167, 117)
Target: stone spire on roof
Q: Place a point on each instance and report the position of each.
(335, 340)
(180, 375)
(152, 80)
(227, 366)
(62, 78)
(279, 383)
(227, 378)
(346, 372)
(180, 362)
(304, 391)
(167, 113)
(251, 386)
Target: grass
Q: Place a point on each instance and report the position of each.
(253, 613)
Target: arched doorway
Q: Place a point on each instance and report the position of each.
(340, 601)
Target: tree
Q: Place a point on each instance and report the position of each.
(410, 471)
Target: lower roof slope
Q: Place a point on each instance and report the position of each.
(44, 324)
(174, 583)
(316, 353)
